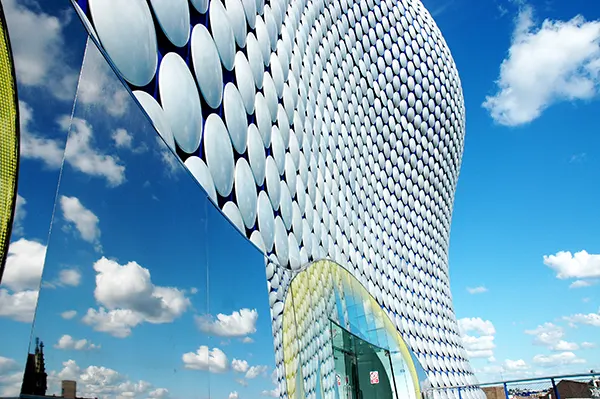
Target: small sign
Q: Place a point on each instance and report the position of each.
(374, 376)
(338, 379)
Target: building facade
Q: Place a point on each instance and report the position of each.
(324, 131)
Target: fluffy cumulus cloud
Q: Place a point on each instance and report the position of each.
(515, 365)
(241, 366)
(11, 376)
(546, 64)
(557, 359)
(42, 63)
(122, 138)
(40, 59)
(234, 395)
(481, 343)
(67, 342)
(80, 153)
(255, 371)
(70, 277)
(551, 336)
(213, 360)
(68, 314)
(579, 265)
(128, 297)
(21, 280)
(590, 319)
(103, 382)
(237, 324)
(84, 220)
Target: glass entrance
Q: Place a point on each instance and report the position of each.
(362, 370)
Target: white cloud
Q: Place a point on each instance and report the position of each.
(128, 297)
(558, 359)
(24, 264)
(583, 283)
(159, 393)
(255, 371)
(103, 382)
(557, 61)
(83, 158)
(515, 365)
(579, 265)
(19, 306)
(214, 360)
(234, 395)
(476, 324)
(273, 393)
(11, 377)
(247, 340)
(99, 86)
(20, 213)
(588, 345)
(477, 290)
(71, 277)
(479, 347)
(79, 152)
(238, 324)
(122, 138)
(49, 151)
(66, 342)
(591, 319)
(116, 322)
(21, 280)
(482, 345)
(242, 382)
(241, 366)
(40, 59)
(84, 220)
(68, 314)
(551, 336)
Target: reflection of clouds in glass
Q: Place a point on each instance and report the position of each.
(236, 324)
(11, 376)
(83, 158)
(102, 382)
(20, 213)
(131, 298)
(68, 314)
(24, 264)
(122, 138)
(213, 360)
(241, 366)
(40, 59)
(84, 220)
(255, 371)
(18, 306)
(79, 153)
(33, 146)
(67, 342)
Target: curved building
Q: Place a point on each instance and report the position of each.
(322, 129)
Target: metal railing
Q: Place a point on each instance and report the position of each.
(575, 386)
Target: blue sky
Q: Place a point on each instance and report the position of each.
(528, 188)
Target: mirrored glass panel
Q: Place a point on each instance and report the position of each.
(238, 324)
(47, 43)
(126, 275)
